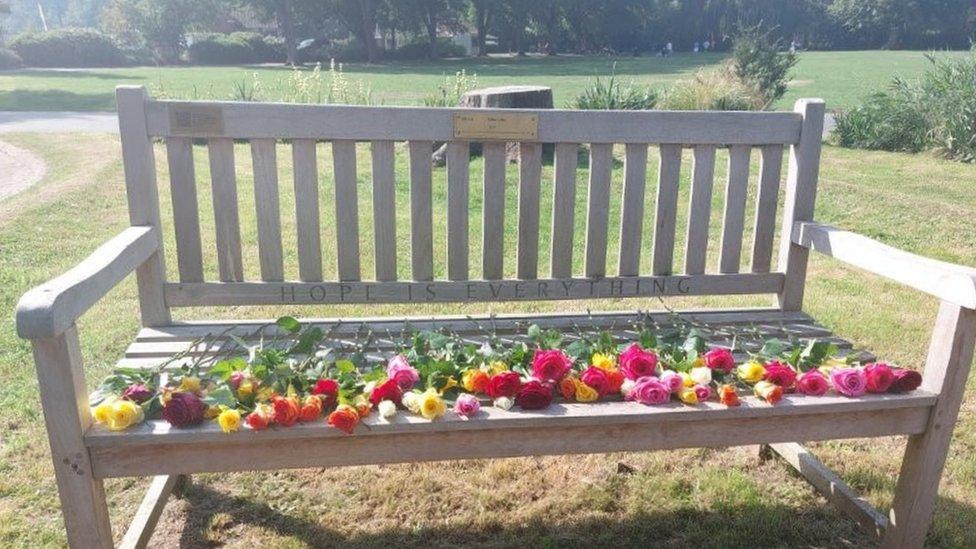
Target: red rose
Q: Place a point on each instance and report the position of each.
(636, 363)
(880, 377)
(286, 410)
(597, 379)
(534, 395)
(812, 383)
(616, 380)
(551, 365)
(258, 420)
(311, 409)
(184, 409)
(345, 418)
(780, 374)
(504, 384)
(905, 381)
(388, 390)
(328, 389)
(720, 359)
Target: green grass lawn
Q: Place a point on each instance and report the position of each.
(842, 78)
(681, 498)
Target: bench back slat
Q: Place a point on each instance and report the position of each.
(404, 138)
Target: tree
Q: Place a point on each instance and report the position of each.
(482, 14)
(159, 24)
(359, 18)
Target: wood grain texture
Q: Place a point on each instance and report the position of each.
(223, 182)
(563, 209)
(268, 212)
(458, 209)
(307, 217)
(766, 203)
(736, 191)
(421, 211)
(347, 209)
(598, 209)
(665, 220)
(632, 217)
(530, 182)
(493, 220)
(384, 209)
(186, 214)
(699, 209)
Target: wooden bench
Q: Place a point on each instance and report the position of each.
(85, 455)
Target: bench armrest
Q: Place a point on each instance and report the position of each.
(51, 308)
(953, 283)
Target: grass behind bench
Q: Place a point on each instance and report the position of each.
(700, 497)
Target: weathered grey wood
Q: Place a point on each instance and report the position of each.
(51, 308)
(632, 218)
(186, 215)
(458, 209)
(946, 370)
(563, 209)
(226, 219)
(766, 202)
(421, 211)
(305, 166)
(667, 209)
(699, 209)
(832, 487)
(493, 220)
(598, 209)
(327, 122)
(138, 161)
(952, 283)
(64, 399)
(264, 158)
(530, 181)
(347, 209)
(736, 190)
(141, 529)
(384, 209)
(801, 194)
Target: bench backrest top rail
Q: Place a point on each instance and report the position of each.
(363, 228)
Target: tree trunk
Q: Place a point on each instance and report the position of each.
(287, 27)
(481, 21)
(430, 21)
(368, 31)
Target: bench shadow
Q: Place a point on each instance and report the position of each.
(71, 73)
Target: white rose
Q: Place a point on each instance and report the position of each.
(701, 375)
(504, 403)
(626, 387)
(387, 409)
(411, 401)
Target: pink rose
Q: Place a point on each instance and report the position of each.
(649, 390)
(703, 392)
(672, 381)
(138, 393)
(597, 379)
(235, 379)
(780, 374)
(850, 382)
(880, 377)
(720, 359)
(184, 409)
(905, 381)
(636, 363)
(400, 370)
(812, 383)
(551, 365)
(467, 405)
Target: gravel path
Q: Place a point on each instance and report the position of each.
(19, 169)
(58, 122)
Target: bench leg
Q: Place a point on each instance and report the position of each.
(67, 416)
(946, 369)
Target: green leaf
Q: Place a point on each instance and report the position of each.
(306, 342)
(221, 396)
(345, 366)
(289, 324)
(223, 369)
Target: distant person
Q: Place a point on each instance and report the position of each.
(697, 46)
(670, 48)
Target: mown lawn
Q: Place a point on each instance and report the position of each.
(708, 498)
(842, 78)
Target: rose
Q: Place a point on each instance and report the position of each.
(616, 378)
(311, 409)
(905, 381)
(720, 359)
(328, 389)
(411, 401)
(597, 379)
(636, 363)
(138, 393)
(405, 375)
(850, 382)
(345, 418)
(583, 392)
(190, 384)
(388, 390)
(504, 384)
(534, 395)
(649, 390)
(751, 371)
(505, 403)
(672, 380)
(728, 396)
(703, 392)
(551, 365)
(259, 419)
(467, 405)
(286, 410)
(701, 375)
(184, 409)
(812, 383)
(768, 391)
(604, 361)
(880, 377)
(475, 381)
(432, 406)
(567, 388)
(124, 414)
(362, 406)
(688, 395)
(627, 386)
(780, 374)
(497, 367)
(235, 379)
(229, 420)
(387, 409)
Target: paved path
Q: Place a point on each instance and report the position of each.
(58, 121)
(19, 169)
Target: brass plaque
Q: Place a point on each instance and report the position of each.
(492, 126)
(196, 120)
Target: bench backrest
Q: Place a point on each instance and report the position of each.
(465, 278)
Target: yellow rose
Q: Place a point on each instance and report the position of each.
(432, 406)
(229, 420)
(686, 379)
(604, 361)
(103, 412)
(698, 362)
(688, 396)
(585, 393)
(245, 389)
(264, 394)
(751, 371)
(124, 414)
(497, 367)
(212, 412)
(190, 384)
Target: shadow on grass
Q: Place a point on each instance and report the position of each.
(56, 100)
(71, 73)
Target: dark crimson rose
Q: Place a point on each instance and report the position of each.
(534, 395)
(598, 380)
(388, 390)
(905, 381)
(328, 389)
(138, 393)
(184, 410)
(780, 374)
(504, 384)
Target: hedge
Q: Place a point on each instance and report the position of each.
(68, 47)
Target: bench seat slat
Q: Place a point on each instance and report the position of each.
(384, 209)
(699, 209)
(632, 218)
(736, 190)
(226, 216)
(347, 209)
(493, 214)
(767, 199)
(563, 209)
(421, 211)
(186, 215)
(268, 213)
(307, 222)
(530, 181)
(458, 209)
(667, 209)
(598, 209)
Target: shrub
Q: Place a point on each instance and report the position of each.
(9, 60)
(715, 89)
(757, 61)
(68, 47)
(614, 96)
(888, 121)
(420, 50)
(326, 52)
(219, 49)
(449, 93)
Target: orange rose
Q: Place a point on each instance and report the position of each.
(286, 410)
(475, 381)
(567, 388)
(311, 409)
(728, 396)
(616, 380)
(259, 419)
(770, 392)
(345, 418)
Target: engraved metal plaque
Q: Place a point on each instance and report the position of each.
(196, 120)
(493, 126)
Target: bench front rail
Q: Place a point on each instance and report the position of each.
(83, 456)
